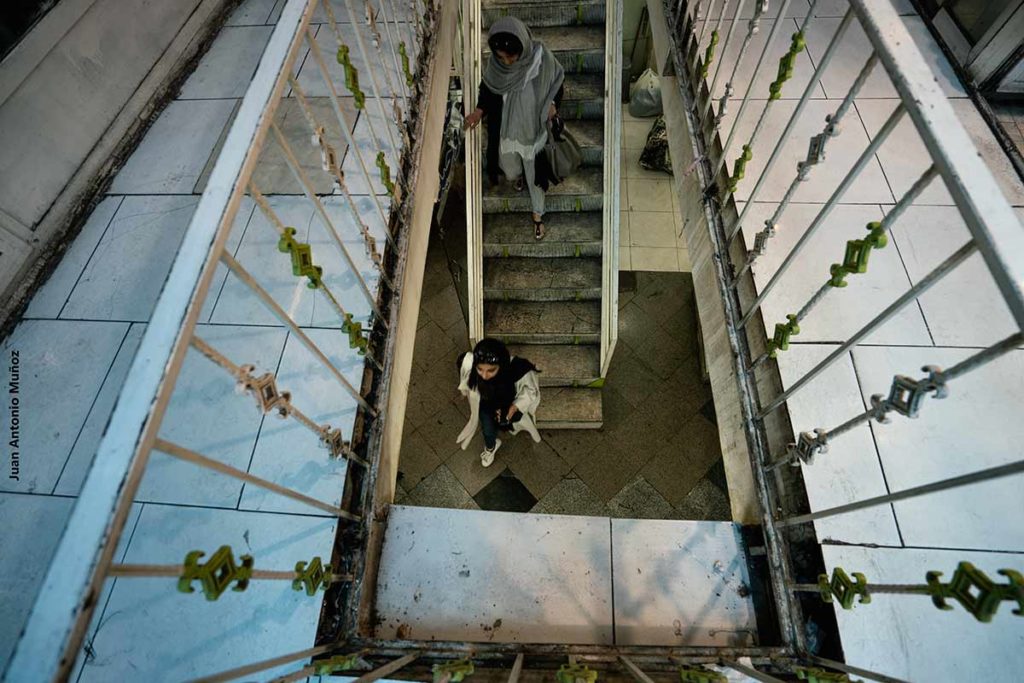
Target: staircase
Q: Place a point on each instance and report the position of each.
(544, 298)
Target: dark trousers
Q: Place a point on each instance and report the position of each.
(490, 425)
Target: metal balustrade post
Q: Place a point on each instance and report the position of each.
(256, 667)
(270, 398)
(776, 27)
(988, 215)
(268, 301)
(866, 157)
(923, 285)
(855, 261)
(318, 57)
(942, 485)
(399, 74)
(195, 458)
(856, 671)
(634, 670)
(815, 155)
(395, 147)
(307, 186)
(753, 26)
(905, 397)
(812, 84)
(721, 60)
(797, 46)
(471, 72)
(389, 668)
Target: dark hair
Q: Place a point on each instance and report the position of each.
(489, 351)
(506, 42)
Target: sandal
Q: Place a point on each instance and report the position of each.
(538, 230)
(518, 184)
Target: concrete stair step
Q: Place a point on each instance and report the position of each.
(537, 13)
(570, 408)
(549, 279)
(583, 191)
(562, 365)
(583, 97)
(589, 135)
(579, 49)
(534, 322)
(568, 234)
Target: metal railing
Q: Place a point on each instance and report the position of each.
(361, 295)
(995, 233)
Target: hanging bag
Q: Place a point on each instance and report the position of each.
(563, 152)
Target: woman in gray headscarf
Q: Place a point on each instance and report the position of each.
(520, 93)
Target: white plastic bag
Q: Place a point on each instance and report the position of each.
(645, 95)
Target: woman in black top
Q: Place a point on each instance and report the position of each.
(520, 92)
(503, 393)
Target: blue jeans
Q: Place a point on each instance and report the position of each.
(489, 426)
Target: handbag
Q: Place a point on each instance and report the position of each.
(563, 152)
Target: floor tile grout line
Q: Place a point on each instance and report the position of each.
(92, 254)
(92, 406)
(224, 282)
(878, 451)
(877, 154)
(110, 595)
(910, 282)
(883, 546)
(263, 419)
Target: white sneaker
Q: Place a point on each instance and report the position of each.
(487, 457)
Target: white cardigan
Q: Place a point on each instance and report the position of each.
(527, 400)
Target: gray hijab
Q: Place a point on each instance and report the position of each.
(527, 87)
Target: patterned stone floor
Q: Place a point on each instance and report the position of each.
(657, 456)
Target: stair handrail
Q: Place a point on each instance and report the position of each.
(471, 72)
(612, 169)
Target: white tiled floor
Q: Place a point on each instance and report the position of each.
(651, 224)
(79, 339)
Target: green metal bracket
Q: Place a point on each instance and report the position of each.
(351, 76)
(453, 672)
(843, 588)
(506, 205)
(855, 260)
(977, 593)
(786, 65)
(574, 673)
(597, 383)
(579, 62)
(709, 54)
(504, 251)
(217, 573)
(740, 167)
(701, 676)
(579, 204)
(813, 675)
(783, 331)
(311, 576)
(579, 12)
(579, 110)
(326, 667)
(578, 251)
(385, 173)
(405, 63)
(302, 258)
(354, 330)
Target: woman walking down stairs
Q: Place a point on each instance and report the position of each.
(543, 296)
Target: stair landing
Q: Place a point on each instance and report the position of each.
(469, 575)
